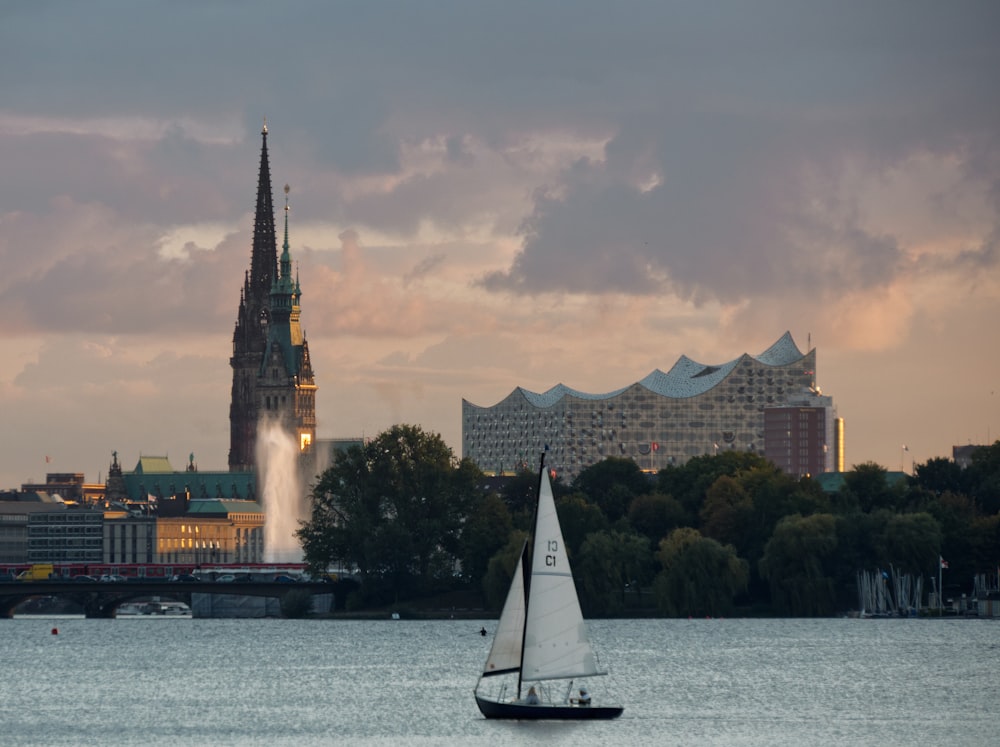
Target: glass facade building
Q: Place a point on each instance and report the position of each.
(664, 419)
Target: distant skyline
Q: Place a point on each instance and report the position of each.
(521, 194)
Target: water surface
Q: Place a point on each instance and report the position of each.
(683, 682)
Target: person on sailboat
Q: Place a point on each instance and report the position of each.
(532, 698)
(583, 700)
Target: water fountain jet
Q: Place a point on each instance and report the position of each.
(281, 491)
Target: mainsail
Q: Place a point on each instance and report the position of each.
(556, 645)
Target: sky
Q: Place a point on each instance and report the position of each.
(492, 195)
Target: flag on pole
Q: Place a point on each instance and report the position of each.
(944, 563)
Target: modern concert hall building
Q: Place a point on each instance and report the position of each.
(767, 404)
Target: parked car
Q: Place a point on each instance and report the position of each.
(111, 578)
(83, 577)
(183, 577)
(225, 578)
(283, 579)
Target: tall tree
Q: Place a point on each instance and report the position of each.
(689, 483)
(654, 515)
(394, 509)
(578, 517)
(984, 479)
(612, 484)
(796, 564)
(500, 569)
(486, 531)
(913, 543)
(700, 576)
(608, 566)
(869, 488)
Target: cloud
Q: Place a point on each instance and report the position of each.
(486, 197)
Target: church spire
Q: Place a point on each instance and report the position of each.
(286, 259)
(264, 259)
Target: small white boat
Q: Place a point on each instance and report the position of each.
(153, 609)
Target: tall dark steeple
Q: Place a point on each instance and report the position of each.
(264, 256)
(272, 374)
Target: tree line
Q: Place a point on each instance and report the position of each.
(714, 536)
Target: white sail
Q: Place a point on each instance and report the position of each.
(555, 640)
(505, 654)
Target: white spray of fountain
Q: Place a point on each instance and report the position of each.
(283, 497)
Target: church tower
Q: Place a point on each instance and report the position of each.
(272, 373)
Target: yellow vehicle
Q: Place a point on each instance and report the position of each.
(37, 572)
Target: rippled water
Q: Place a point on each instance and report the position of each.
(684, 682)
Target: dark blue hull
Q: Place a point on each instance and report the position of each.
(522, 711)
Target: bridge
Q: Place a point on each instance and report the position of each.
(101, 599)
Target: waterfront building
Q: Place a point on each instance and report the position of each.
(664, 419)
(71, 535)
(212, 531)
(156, 485)
(805, 436)
(962, 455)
(272, 372)
(70, 486)
(17, 510)
(156, 514)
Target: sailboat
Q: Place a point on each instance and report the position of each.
(541, 636)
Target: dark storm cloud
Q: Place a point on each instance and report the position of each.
(727, 123)
(737, 154)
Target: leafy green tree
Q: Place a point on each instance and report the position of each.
(689, 482)
(860, 547)
(795, 563)
(868, 486)
(653, 515)
(913, 543)
(608, 566)
(727, 512)
(981, 549)
(394, 509)
(500, 570)
(612, 484)
(699, 577)
(485, 532)
(984, 479)
(578, 517)
(519, 493)
(940, 475)
(774, 495)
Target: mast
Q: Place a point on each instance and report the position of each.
(526, 560)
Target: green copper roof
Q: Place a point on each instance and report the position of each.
(153, 464)
(203, 485)
(224, 507)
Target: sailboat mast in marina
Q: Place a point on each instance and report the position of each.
(541, 636)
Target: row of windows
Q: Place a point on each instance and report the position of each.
(35, 531)
(67, 518)
(40, 543)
